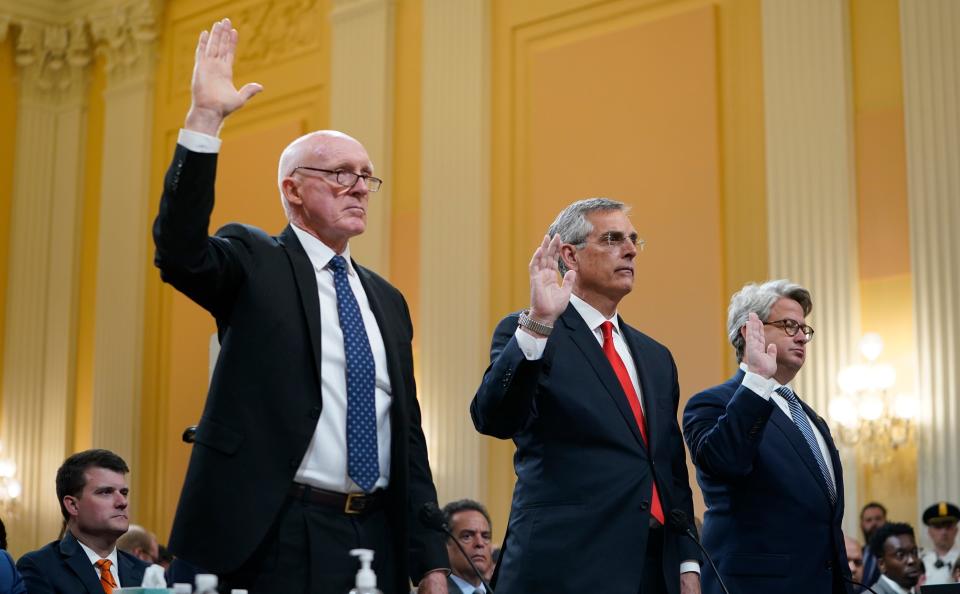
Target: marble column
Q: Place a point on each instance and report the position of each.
(454, 222)
(40, 332)
(930, 33)
(811, 213)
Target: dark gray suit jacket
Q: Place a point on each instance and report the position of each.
(63, 567)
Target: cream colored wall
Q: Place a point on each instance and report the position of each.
(8, 141)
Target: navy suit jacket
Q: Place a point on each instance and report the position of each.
(581, 506)
(769, 525)
(63, 567)
(265, 397)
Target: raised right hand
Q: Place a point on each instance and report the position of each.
(760, 357)
(213, 95)
(548, 297)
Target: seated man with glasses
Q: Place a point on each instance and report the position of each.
(895, 547)
(310, 442)
(766, 463)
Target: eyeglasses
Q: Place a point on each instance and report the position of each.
(347, 179)
(791, 327)
(616, 239)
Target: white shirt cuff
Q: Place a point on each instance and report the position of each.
(531, 346)
(198, 142)
(760, 385)
(689, 567)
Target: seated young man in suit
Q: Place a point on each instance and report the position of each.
(895, 547)
(92, 489)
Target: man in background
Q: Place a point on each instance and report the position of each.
(895, 548)
(941, 520)
(854, 560)
(92, 489)
(140, 543)
(872, 516)
(470, 525)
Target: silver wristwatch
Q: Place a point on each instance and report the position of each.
(530, 324)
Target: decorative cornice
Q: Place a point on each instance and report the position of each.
(53, 49)
(52, 58)
(125, 34)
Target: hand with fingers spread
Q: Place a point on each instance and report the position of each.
(548, 296)
(213, 94)
(759, 357)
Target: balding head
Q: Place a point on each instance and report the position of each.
(302, 150)
(140, 543)
(315, 197)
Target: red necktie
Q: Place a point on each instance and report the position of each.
(106, 578)
(656, 509)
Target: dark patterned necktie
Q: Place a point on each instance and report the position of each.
(800, 419)
(363, 462)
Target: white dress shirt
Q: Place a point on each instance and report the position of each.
(766, 389)
(94, 557)
(941, 575)
(325, 463)
(465, 586)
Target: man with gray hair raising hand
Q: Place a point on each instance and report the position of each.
(591, 404)
(767, 466)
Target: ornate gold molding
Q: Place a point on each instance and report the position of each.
(124, 35)
(52, 58)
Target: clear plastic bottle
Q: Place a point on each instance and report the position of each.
(366, 582)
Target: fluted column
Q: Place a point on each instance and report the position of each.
(41, 317)
(454, 221)
(810, 186)
(125, 33)
(361, 104)
(930, 30)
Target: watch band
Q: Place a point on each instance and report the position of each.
(530, 324)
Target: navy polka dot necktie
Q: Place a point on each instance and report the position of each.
(363, 462)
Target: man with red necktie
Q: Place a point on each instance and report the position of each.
(93, 493)
(591, 404)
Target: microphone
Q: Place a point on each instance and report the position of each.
(432, 517)
(681, 523)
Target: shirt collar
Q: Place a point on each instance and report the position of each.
(320, 253)
(466, 586)
(894, 585)
(592, 315)
(776, 384)
(94, 557)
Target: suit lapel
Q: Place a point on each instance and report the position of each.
(584, 339)
(306, 280)
(800, 446)
(129, 576)
(78, 562)
(824, 429)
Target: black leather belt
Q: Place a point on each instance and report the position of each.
(348, 503)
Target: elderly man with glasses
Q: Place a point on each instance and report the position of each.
(310, 443)
(766, 463)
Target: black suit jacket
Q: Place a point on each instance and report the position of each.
(769, 525)
(63, 567)
(265, 397)
(580, 514)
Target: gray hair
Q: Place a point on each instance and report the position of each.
(759, 299)
(572, 224)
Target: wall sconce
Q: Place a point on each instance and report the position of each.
(865, 415)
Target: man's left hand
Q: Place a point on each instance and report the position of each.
(435, 582)
(690, 583)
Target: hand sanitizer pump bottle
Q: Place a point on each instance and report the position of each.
(366, 580)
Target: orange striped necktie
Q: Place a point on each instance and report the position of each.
(106, 578)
